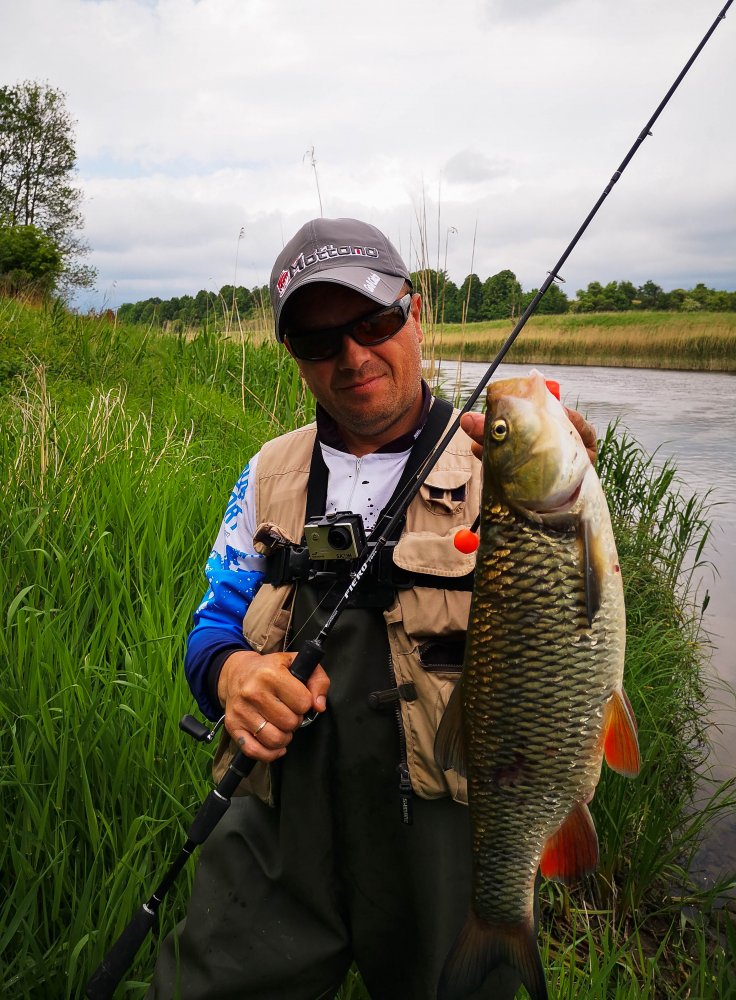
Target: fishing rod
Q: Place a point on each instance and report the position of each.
(105, 979)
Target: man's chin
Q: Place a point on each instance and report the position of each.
(368, 422)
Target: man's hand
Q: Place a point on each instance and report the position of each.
(586, 432)
(474, 423)
(264, 704)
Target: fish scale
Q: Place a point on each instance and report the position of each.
(503, 711)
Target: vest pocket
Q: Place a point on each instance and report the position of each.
(428, 614)
(438, 616)
(443, 656)
(445, 491)
(268, 617)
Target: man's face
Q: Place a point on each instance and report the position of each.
(373, 393)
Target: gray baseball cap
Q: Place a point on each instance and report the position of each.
(345, 251)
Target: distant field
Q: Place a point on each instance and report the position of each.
(691, 341)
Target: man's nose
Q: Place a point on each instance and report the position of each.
(352, 354)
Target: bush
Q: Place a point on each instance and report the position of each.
(30, 261)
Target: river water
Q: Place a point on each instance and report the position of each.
(689, 417)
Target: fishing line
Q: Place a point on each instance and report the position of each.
(403, 501)
(327, 594)
(105, 978)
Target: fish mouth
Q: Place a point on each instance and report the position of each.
(553, 506)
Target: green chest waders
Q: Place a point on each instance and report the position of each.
(286, 898)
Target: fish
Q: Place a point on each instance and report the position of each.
(540, 702)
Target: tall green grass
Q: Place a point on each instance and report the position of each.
(118, 449)
(103, 523)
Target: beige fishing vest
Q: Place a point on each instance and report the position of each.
(416, 618)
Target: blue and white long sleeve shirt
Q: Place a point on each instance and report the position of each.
(234, 569)
(234, 572)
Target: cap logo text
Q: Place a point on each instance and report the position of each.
(326, 252)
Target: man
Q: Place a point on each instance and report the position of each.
(356, 846)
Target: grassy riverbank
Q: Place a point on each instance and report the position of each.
(118, 450)
(688, 341)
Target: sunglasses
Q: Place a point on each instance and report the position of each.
(369, 331)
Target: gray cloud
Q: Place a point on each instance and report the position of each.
(470, 166)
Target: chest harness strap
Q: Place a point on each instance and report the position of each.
(292, 563)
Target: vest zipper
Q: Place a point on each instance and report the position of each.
(405, 790)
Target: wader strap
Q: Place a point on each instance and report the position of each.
(317, 483)
(437, 420)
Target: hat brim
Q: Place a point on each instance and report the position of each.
(381, 288)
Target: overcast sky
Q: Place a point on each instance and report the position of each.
(499, 121)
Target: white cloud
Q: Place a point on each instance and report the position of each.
(522, 10)
(194, 118)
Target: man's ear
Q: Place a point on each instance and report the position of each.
(416, 309)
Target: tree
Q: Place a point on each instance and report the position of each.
(650, 295)
(440, 296)
(627, 295)
(450, 307)
(554, 301)
(501, 296)
(609, 298)
(722, 301)
(703, 295)
(37, 163)
(471, 299)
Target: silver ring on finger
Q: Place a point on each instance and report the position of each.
(259, 727)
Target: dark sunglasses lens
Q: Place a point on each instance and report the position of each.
(380, 327)
(318, 346)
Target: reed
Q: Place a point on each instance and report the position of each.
(690, 341)
(118, 447)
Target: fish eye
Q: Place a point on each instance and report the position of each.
(499, 429)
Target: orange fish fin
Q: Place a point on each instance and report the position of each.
(620, 742)
(482, 954)
(573, 851)
(449, 743)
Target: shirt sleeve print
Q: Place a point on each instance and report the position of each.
(234, 573)
(234, 569)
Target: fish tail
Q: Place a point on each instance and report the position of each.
(484, 953)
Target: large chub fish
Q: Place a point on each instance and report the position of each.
(541, 701)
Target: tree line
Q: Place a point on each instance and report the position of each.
(498, 297)
(502, 297)
(184, 311)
